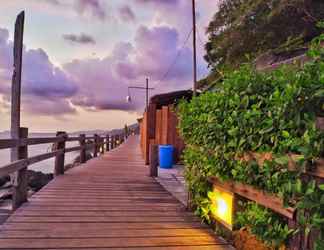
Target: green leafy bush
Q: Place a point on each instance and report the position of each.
(256, 112)
(262, 222)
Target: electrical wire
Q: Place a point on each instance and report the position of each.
(170, 68)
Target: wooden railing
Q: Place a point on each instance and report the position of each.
(18, 169)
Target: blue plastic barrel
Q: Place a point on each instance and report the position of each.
(166, 156)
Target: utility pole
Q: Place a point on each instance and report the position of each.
(146, 88)
(194, 47)
(147, 92)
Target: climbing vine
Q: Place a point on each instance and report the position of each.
(266, 113)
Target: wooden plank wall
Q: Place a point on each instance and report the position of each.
(163, 122)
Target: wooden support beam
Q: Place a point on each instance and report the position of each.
(116, 140)
(154, 159)
(96, 141)
(102, 145)
(107, 143)
(59, 159)
(150, 129)
(83, 151)
(19, 179)
(16, 83)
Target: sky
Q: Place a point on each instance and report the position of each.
(80, 56)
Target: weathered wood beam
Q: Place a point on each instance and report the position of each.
(19, 179)
(16, 82)
(154, 159)
(59, 159)
(96, 142)
(107, 143)
(83, 151)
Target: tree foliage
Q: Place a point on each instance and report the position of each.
(244, 29)
(266, 113)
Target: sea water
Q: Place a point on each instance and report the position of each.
(46, 166)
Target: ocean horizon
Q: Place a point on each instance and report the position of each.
(46, 166)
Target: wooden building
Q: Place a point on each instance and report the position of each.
(159, 123)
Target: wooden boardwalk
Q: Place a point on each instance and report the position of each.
(107, 203)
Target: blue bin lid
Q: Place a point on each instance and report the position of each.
(166, 146)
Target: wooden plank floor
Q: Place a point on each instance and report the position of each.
(107, 203)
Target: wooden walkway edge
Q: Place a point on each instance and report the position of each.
(109, 202)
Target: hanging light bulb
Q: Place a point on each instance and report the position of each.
(128, 99)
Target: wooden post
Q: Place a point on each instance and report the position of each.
(113, 142)
(102, 145)
(116, 140)
(20, 179)
(154, 160)
(107, 143)
(96, 141)
(295, 242)
(150, 130)
(16, 83)
(59, 159)
(83, 151)
(194, 87)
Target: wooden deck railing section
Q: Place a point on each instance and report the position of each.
(97, 143)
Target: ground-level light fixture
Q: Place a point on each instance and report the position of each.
(222, 206)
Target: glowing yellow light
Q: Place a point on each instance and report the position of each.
(222, 208)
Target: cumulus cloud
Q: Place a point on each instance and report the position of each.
(80, 39)
(158, 2)
(43, 84)
(126, 14)
(103, 83)
(92, 7)
(53, 2)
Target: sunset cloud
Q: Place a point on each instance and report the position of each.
(94, 7)
(79, 39)
(116, 44)
(126, 14)
(42, 82)
(129, 64)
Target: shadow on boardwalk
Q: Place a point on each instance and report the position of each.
(107, 203)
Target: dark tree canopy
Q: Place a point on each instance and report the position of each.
(243, 29)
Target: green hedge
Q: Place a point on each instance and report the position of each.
(259, 112)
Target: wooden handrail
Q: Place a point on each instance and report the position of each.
(12, 143)
(8, 143)
(21, 164)
(18, 168)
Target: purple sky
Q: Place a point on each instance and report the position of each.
(81, 55)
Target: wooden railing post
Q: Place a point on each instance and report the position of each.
(117, 140)
(83, 151)
(102, 145)
(96, 141)
(59, 159)
(107, 143)
(20, 180)
(112, 142)
(154, 160)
